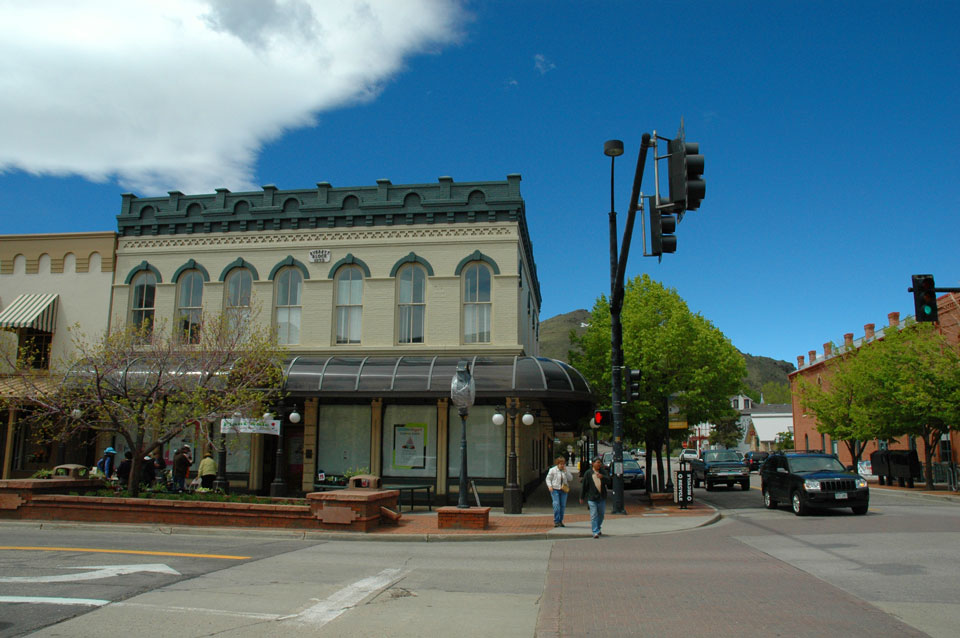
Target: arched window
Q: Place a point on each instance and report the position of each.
(476, 303)
(143, 303)
(190, 305)
(288, 286)
(349, 304)
(411, 304)
(239, 286)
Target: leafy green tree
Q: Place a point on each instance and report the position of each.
(681, 356)
(149, 385)
(837, 400)
(785, 441)
(774, 392)
(909, 382)
(727, 432)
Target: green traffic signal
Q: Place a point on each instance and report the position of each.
(924, 298)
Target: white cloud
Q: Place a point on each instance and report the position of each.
(183, 93)
(542, 64)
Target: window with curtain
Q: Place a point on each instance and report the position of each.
(476, 303)
(349, 304)
(190, 305)
(144, 299)
(288, 285)
(486, 444)
(239, 287)
(411, 304)
(343, 438)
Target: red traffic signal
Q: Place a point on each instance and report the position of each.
(603, 418)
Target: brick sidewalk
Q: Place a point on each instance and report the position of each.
(425, 523)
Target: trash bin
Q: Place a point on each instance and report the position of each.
(881, 465)
(364, 482)
(902, 465)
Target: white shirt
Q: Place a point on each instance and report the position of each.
(556, 478)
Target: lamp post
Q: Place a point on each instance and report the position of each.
(220, 483)
(462, 394)
(512, 495)
(279, 487)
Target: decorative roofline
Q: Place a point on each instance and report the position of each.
(326, 206)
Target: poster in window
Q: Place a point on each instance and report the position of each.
(409, 446)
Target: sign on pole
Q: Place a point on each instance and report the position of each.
(250, 426)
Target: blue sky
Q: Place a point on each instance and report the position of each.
(829, 131)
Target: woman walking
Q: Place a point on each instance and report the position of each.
(558, 484)
(594, 491)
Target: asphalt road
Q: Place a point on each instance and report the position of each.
(756, 572)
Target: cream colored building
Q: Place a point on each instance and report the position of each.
(50, 284)
(358, 280)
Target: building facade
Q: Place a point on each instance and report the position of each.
(815, 370)
(49, 284)
(375, 292)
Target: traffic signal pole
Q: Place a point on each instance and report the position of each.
(618, 264)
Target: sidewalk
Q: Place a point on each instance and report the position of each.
(535, 523)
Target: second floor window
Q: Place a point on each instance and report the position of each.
(239, 287)
(476, 303)
(349, 304)
(142, 307)
(289, 284)
(190, 305)
(411, 304)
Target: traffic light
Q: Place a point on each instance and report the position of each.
(685, 164)
(662, 226)
(633, 392)
(603, 418)
(924, 297)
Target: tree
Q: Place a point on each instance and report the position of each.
(681, 356)
(910, 385)
(837, 400)
(727, 432)
(148, 385)
(785, 441)
(773, 392)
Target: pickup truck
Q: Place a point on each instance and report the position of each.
(719, 466)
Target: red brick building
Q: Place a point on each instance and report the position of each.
(813, 368)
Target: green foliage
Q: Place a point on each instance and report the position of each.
(355, 471)
(679, 354)
(775, 392)
(42, 473)
(727, 432)
(785, 441)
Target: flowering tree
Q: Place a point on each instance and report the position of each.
(148, 385)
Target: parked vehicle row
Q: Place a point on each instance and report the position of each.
(633, 476)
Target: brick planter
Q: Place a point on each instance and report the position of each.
(351, 509)
(452, 517)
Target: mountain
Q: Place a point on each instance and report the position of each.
(555, 343)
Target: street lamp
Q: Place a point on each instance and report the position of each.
(279, 487)
(512, 495)
(220, 483)
(462, 394)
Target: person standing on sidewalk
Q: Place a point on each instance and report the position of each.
(594, 491)
(558, 484)
(207, 471)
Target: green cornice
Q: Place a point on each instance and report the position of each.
(411, 259)
(239, 263)
(386, 204)
(191, 265)
(143, 265)
(290, 261)
(349, 259)
(477, 256)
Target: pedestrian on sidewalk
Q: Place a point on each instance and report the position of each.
(558, 484)
(207, 470)
(181, 467)
(593, 490)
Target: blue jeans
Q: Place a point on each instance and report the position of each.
(597, 509)
(559, 498)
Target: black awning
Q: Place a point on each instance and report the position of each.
(412, 376)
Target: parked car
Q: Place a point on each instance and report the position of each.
(687, 454)
(719, 466)
(810, 480)
(633, 475)
(753, 460)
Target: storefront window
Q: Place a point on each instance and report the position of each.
(410, 441)
(486, 444)
(343, 439)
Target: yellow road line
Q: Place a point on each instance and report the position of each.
(122, 551)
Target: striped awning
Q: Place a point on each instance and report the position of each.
(38, 311)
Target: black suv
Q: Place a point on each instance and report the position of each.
(808, 480)
(753, 460)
